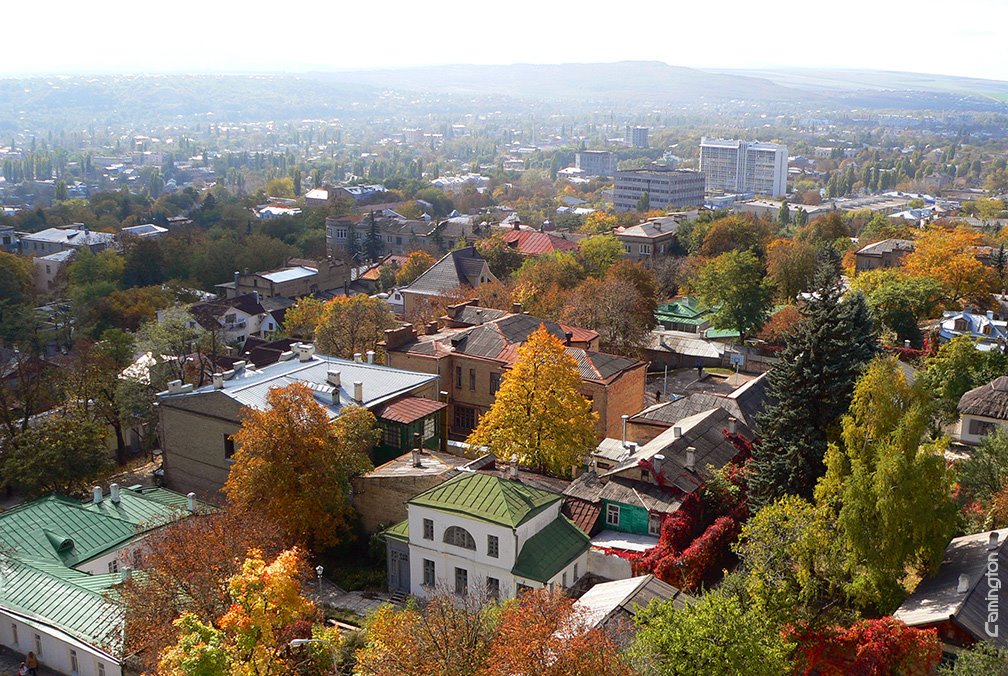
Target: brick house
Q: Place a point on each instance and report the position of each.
(478, 345)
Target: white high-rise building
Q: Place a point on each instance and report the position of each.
(741, 166)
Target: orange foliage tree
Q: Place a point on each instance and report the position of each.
(294, 465)
(949, 255)
(871, 647)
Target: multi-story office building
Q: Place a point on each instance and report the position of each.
(596, 162)
(636, 136)
(741, 166)
(665, 187)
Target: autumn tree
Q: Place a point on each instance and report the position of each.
(502, 258)
(790, 266)
(780, 325)
(875, 647)
(301, 320)
(295, 466)
(950, 257)
(170, 341)
(736, 284)
(736, 232)
(899, 301)
(543, 284)
(185, 569)
(599, 223)
(620, 307)
(417, 263)
(352, 324)
(539, 413)
(957, 368)
(598, 253)
(888, 485)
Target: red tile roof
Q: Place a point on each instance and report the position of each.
(410, 409)
(532, 243)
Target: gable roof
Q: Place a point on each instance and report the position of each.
(208, 312)
(456, 269)
(590, 488)
(938, 599)
(488, 498)
(886, 246)
(989, 400)
(550, 550)
(534, 243)
(604, 600)
(409, 409)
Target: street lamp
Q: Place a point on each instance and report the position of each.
(318, 571)
(298, 642)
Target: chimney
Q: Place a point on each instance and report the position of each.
(676, 432)
(964, 584)
(370, 356)
(625, 419)
(114, 493)
(237, 275)
(513, 469)
(305, 351)
(239, 365)
(417, 449)
(358, 391)
(516, 308)
(732, 424)
(990, 314)
(191, 503)
(416, 458)
(127, 574)
(691, 458)
(567, 337)
(431, 328)
(333, 378)
(358, 358)
(992, 543)
(906, 344)
(97, 495)
(255, 295)
(218, 381)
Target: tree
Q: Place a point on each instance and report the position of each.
(280, 187)
(950, 257)
(735, 283)
(888, 485)
(16, 287)
(791, 266)
(63, 453)
(957, 368)
(373, 246)
(185, 568)
(737, 232)
(784, 214)
(143, 264)
(981, 658)
(502, 258)
(539, 413)
(301, 320)
(599, 223)
(714, 635)
(876, 647)
(306, 462)
(644, 202)
(170, 340)
(985, 472)
(780, 325)
(598, 253)
(899, 301)
(417, 263)
(352, 324)
(810, 388)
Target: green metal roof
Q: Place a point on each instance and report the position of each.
(550, 550)
(685, 310)
(69, 600)
(400, 531)
(487, 497)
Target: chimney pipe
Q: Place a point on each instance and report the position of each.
(513, 469)
(358, 391)
(114, 493)
(237, 275)
(992, 543)
(906, 344)
(218, 381)
(191, 503)
(370, 356)
(97, 495)
(417, 449)
(516, 308)
(625, 419)
(964, 584)
(333, 378)
(357, 358)
(691, 458)
(732, 424)
(676, 432)
(127, 574)
(567, 337)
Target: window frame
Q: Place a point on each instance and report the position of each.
(493, 587)
(493, 546)
(653, 518)
(461, 575)
(611, 510)
(429, 567)
(457, 536)
(428, 529)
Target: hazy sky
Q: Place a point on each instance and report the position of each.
(929, 36)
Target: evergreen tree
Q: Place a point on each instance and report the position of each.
(373, 247)
(811, 387)
(784, 214)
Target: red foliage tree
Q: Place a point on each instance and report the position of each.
(869, 648)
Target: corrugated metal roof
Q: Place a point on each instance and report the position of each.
(602, 601)
(532, 243)
(410, 409)
(487, 497)
(288, 274)
(583, 513)
(550, 550)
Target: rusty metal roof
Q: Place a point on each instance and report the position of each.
(410, 409)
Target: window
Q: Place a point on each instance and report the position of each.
(461, 581)
(47, 270)
(38, 646)
(493, 587)
(458, 377)
(229, 447)
(398, 240)
(472, 379)
(74, 666)
(645, 475)
(521, 588)
(494, 383)
(101, 669)
(390, 435)
(428, 428)
(575, 571)
(654, 524)
(230, 318)
(428, 573)
(113, 566)
(645, 248)
(626, 248)
(341, 233)
(980, 428)
(459, 537)
(493, 546)
(612, 515)
(428, 529)
(563, 580)
(14, 635)
(465, 417)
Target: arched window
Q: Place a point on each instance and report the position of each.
(459, 537)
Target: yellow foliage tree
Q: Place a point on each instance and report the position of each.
(599, 223)
(539, 413)
(294, 465)
(950, 257)
(417, 263)
(300, 321)
(352, 324)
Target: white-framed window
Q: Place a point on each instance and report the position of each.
(626, 248)
(38, 645)
(14, 635)
(461, 581)
(101, 669)
(493, 546)
(428, 428)
(645, 248)
(428, 573)
(113, 566)
(575, 571)
(428, 529)
(654, 524)
(563, 580)
(612, 515)
(341, 233)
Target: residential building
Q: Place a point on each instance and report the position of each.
(636, 137)
(48, 269)
(651, 239)
(742, 166)
(988, 332)
(688, 315)
(361, 194)
(458, 270)
(477, 347)
(54, 240)
(235, 320)
(681, 349)
(481, 533)
(146, 231)
(983, 410)
(535, 243)
(197, 425)
(317, 197)
(597, 162)
(299, 277)
(272, 211)
(366, 280)
(61, 557)
(399, 235)
(8, 239)
(664, 187)
(957, 600)
(889, 253)
(613, 606)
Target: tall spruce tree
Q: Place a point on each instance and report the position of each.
(373, 246)
(811, 387)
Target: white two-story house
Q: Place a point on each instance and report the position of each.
(481, 533)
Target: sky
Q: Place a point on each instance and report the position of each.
(103, 36)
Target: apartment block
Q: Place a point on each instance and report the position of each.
(741, 166)
(665, 187)
(596, 162)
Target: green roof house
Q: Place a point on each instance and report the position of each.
(58, 560)
(689, 315)
(484, 533)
